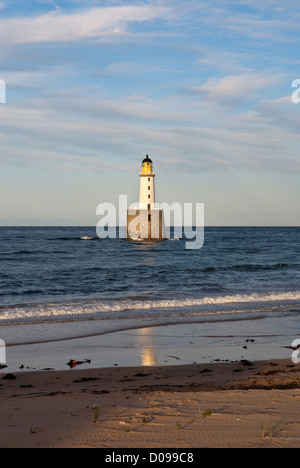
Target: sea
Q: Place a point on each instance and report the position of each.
(241, 289)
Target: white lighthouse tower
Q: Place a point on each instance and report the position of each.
(146, 222)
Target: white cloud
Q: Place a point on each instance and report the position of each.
(195, 137)
(93, 23)
(224, 60)
(237, 86)
(267, 20)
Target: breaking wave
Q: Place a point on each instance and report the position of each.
(136, 307)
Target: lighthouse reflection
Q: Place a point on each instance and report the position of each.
(146, 345)
(147, 252)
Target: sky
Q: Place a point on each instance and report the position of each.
(203, 87)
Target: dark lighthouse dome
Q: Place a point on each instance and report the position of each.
(147, 160)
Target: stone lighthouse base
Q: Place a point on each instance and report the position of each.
(147, 225)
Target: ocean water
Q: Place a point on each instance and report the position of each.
(56, 286)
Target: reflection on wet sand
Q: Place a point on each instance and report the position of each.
(145, 342)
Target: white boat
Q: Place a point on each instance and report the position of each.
(86, 238)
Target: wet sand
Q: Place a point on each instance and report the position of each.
(240, 404)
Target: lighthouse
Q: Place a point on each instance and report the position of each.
(147, 186)
(146, 221)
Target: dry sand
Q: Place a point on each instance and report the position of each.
(209, 405)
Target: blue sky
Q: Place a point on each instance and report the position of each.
(203, 87)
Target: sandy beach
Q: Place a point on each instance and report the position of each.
(216, 405)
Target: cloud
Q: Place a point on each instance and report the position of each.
(93, 23)
(90, 132)
(264, 20)
(66, 114)
(268, 20)
(236, 87)
(225, 60)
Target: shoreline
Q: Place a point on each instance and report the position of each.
(154, 406)
(160, 345)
